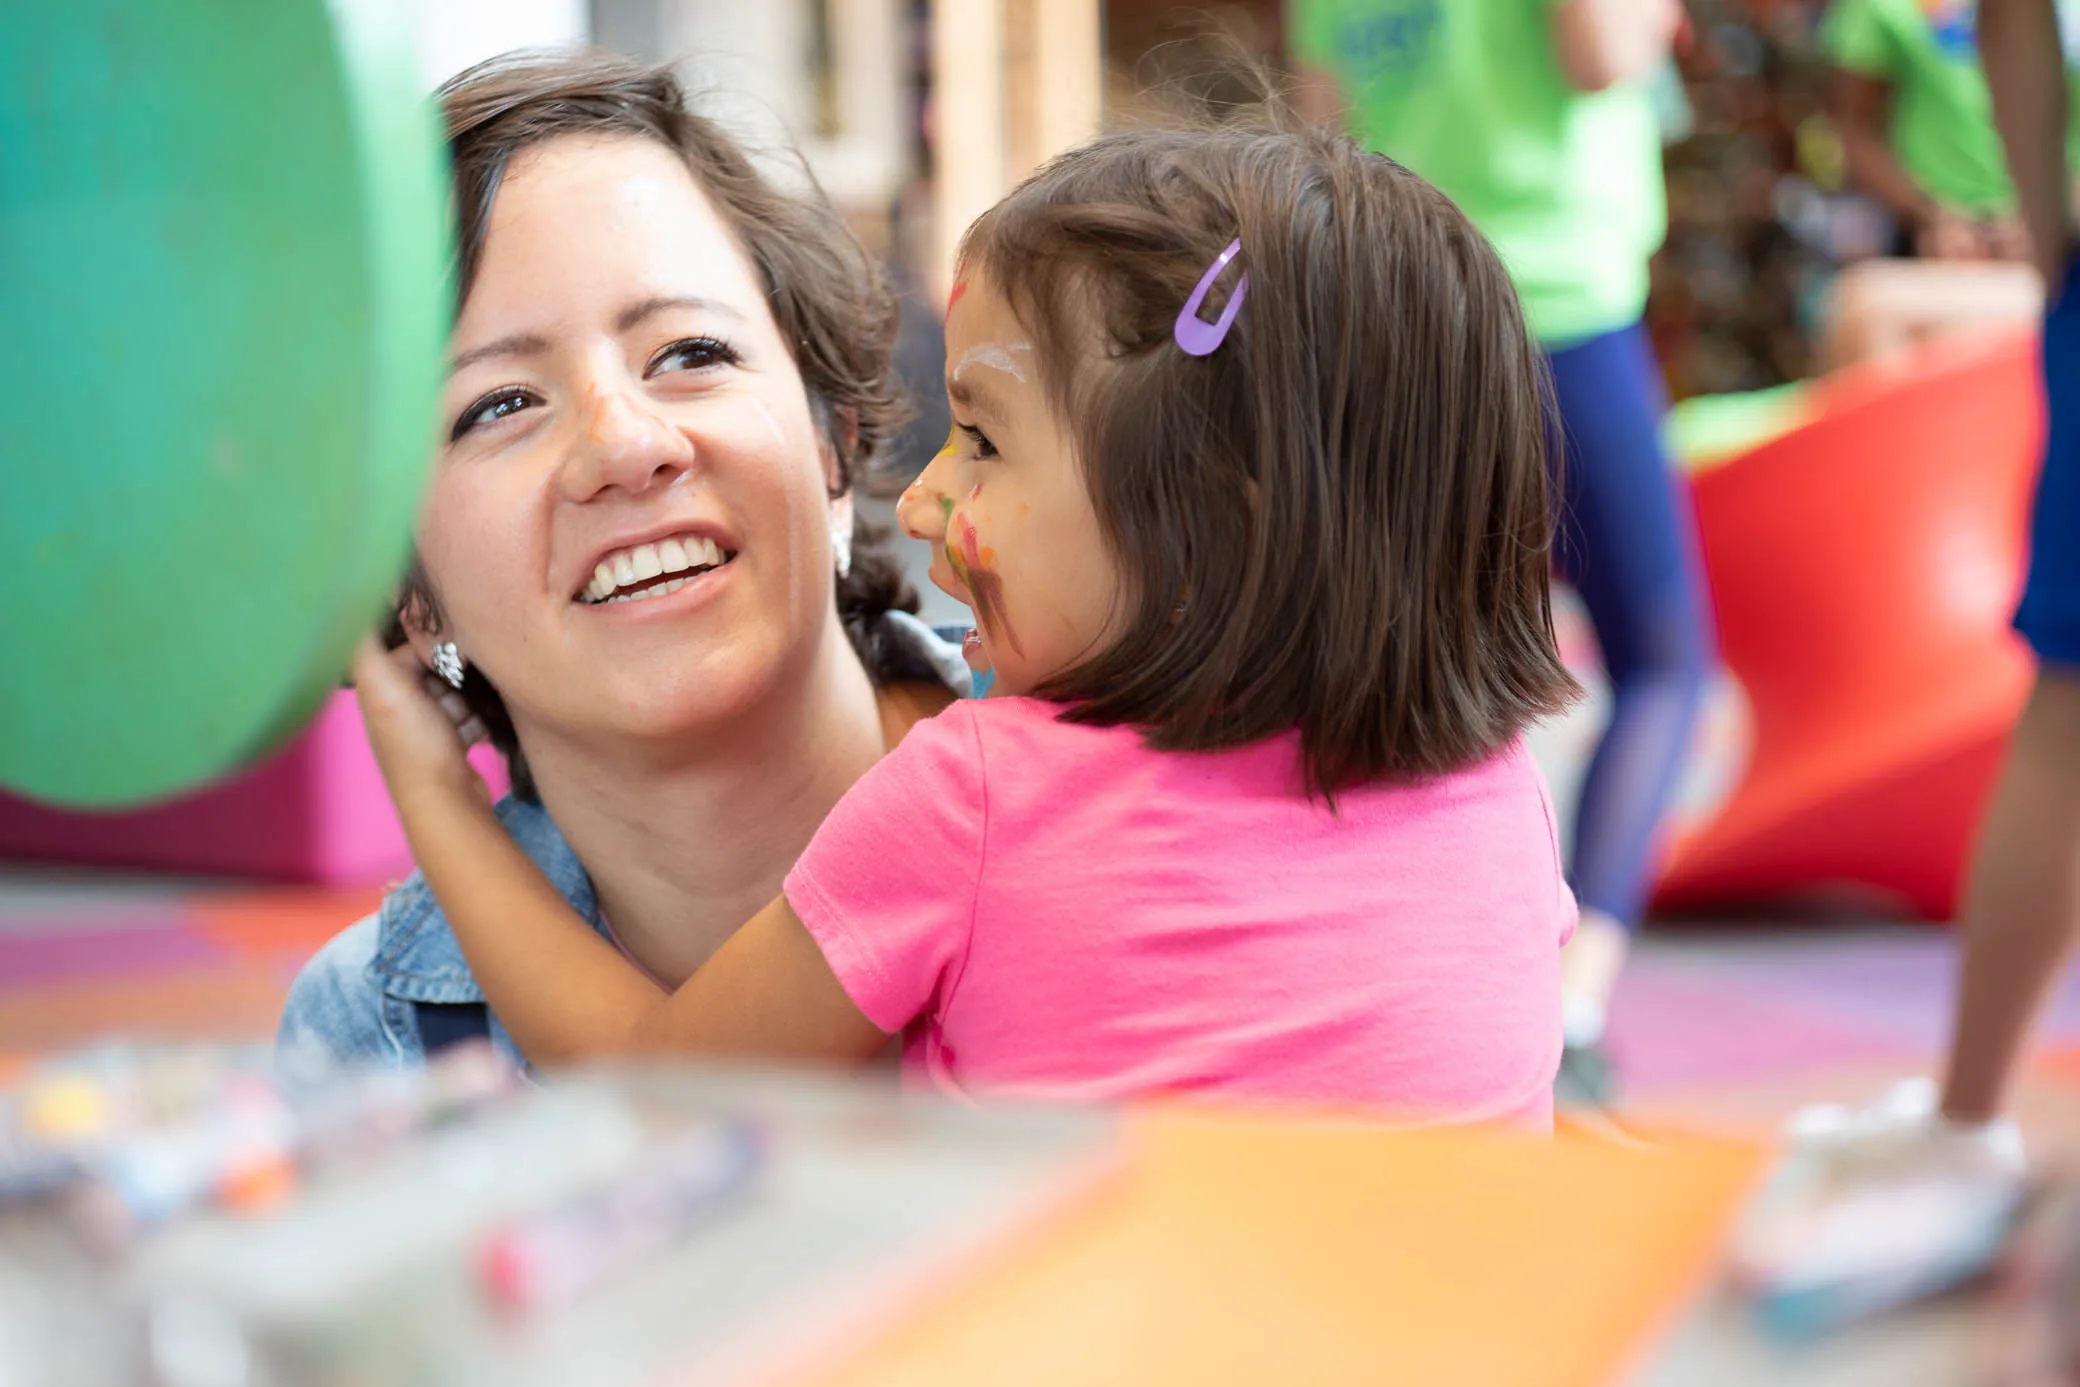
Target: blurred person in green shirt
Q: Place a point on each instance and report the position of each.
(1535, 117)
(1916, 122)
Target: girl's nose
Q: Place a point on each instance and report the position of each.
(923, 510)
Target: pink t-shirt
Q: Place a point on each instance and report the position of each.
(1057, 911)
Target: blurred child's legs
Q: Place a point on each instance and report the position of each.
(1627, 540)
(2022, 905)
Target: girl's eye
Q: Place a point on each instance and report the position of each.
(983, 447)
(493, 407)
(692, 354)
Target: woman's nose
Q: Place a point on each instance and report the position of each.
(923, 510)
(622, 442)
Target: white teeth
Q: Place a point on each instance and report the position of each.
(659, 591)
(647, 561)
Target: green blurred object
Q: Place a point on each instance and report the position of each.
(223, 279)
(1708, 429)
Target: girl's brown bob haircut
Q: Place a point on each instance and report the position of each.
(1336, 522)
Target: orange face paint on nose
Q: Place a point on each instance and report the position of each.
(594, 408)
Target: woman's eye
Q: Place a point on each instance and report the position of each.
(495, 406)
(692, 354)
(983, 447)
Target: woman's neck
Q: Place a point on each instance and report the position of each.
(686, 843)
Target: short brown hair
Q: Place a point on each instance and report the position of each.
(828, 297)
(1337, 522)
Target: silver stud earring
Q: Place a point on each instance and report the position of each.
(447, 663)
(841, 536)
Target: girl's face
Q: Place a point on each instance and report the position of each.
(1005, 508)
(628, 528)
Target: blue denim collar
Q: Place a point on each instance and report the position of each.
(417, 956)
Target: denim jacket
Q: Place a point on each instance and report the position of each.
(374, 992)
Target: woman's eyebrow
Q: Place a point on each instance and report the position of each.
(635, 313)
(519, 344)
(530, 344)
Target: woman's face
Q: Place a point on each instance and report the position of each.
(628, 529)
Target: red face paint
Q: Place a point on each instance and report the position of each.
(970, 563)
(960, 286)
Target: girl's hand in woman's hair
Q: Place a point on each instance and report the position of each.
(420, 729)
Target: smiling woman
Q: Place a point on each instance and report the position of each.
(664, 377)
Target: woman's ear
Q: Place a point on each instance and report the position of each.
(841, 441)
(420, 624)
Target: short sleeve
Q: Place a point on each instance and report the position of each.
(887, 886)
(1854, 34)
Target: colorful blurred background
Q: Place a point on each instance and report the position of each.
(1860, 494)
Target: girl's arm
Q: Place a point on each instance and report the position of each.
(1601, 43)
(560, 990)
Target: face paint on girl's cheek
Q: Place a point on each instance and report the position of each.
(972, 564)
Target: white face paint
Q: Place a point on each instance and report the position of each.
(772, 424)
(998, 356)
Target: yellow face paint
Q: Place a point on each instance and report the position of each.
(917, 494)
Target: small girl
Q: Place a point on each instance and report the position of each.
(1247, 494)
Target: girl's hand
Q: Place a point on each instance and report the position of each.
(1948, 235)
(420, 729)
(2007, 239)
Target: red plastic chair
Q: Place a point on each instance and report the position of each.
(1864, 569)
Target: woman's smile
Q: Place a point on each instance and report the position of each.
(647, 569)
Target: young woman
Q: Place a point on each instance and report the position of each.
(666, 376)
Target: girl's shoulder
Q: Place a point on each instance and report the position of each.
(1511, 774)
(1036, 726)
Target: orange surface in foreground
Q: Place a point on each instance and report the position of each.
(2063, 1063)
(1261, 1251)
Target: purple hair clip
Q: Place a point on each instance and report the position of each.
(1194, 334)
